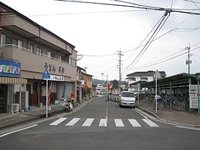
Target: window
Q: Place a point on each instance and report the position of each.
(128, 94)
(39, 51)
(73, 62)
(31, 48)
(3, 40)
(144, 79)
(17, 43)
(132, 79)
(53, 55)
(49, 54)
(60, 58)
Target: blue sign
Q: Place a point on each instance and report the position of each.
(10, 68)
(46, 75)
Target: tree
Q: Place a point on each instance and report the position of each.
(114, 84)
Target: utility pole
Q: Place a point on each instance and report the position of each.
(188, 61)
(120, 69)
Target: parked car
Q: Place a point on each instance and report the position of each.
(127, 98)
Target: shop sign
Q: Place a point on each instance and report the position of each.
(53, 68)
(10, 68)
(193, 95)
(56, 78)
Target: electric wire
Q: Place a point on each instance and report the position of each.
(138, 6)
(170, 57)
(158, 28)
(140, 45)
(77, 13)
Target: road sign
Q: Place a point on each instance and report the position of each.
(46, 75)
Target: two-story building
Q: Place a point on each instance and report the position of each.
(85, 82)
(135, 79)
(26, 50)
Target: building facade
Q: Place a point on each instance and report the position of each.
(85, 81)
(135, 79)
(32, 50)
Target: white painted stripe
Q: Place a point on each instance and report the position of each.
(103, 123)
(134, 123)
(88, 122)
(119, 123)
(150, 123)
(18, 130)
(72, 122)
(55, 123)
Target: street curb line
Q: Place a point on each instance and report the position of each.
(168, 121)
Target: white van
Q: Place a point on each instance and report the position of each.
(127, 98)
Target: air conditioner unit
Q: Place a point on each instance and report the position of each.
(14, 108)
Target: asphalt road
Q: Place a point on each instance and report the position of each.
(101, 125)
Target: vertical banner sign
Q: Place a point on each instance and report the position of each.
(108, 87)
(193, 95)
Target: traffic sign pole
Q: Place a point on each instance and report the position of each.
(47, 98)
(198, 79)
(198, 99)
(46, 76)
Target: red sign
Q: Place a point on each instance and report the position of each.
(108, 87)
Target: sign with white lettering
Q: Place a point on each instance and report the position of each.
(193, 95)
(56, 78)
(10, 68)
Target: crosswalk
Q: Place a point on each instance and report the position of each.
(88, 122)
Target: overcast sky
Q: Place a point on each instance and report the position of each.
(98, 32)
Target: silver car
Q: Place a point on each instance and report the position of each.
(127, 98)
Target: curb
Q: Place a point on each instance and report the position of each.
(28, 117)
(149, 112)
(167, 121)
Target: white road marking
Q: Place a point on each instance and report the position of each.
(119, 123)
(150, 123)
(134, 123)
(88, 122)
(72, 122)
(58, 121)
(103, 123)
(18, 130)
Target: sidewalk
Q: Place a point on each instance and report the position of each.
(10, 119)
(172, 115)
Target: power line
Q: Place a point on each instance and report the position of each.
(160, 23)
(107, 55)
(77, 13)
(192, 1)
(168, 58)
(138, 6)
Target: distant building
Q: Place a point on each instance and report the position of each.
(136, 78)
(85, 80)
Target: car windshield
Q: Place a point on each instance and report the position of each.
(127, 94)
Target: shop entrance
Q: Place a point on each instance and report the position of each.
(3, 98)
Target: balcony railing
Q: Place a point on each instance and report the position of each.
(30, 51)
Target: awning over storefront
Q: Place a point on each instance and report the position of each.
(7, 80)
